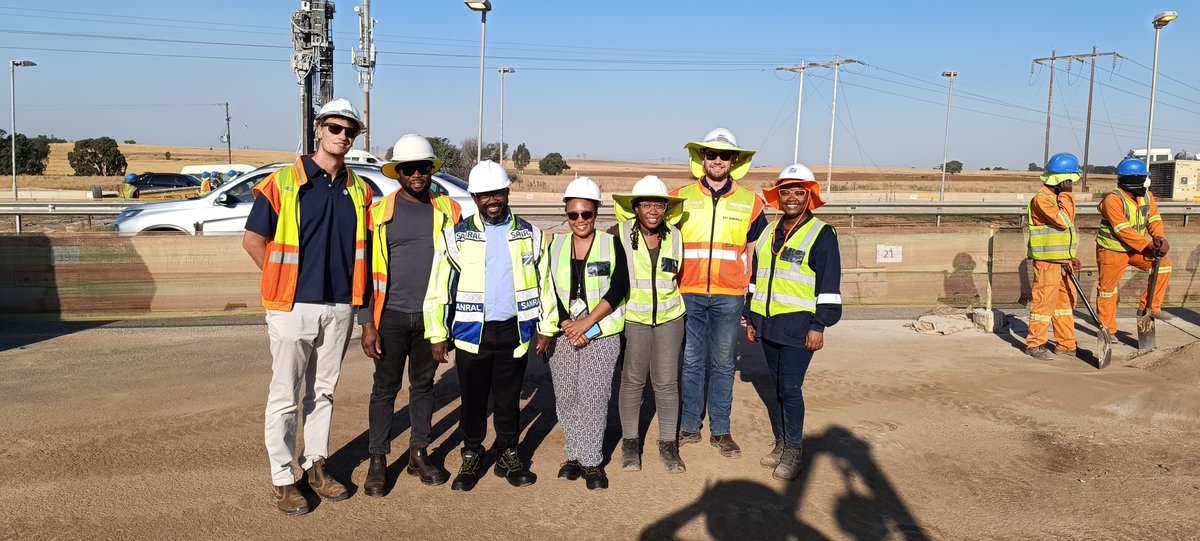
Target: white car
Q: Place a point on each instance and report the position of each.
(224, 210)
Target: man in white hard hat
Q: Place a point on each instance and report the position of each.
(307, 231)
(721, 221)
(406, 226)
(483, 296)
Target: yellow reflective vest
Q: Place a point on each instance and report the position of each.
(1046, 242)
(599, 268)
(1136, 212)
(446, 213)
(281, 264)
(784, 282)
(654, 296)
(454, 303)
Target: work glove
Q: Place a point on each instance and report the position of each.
(1161, 246)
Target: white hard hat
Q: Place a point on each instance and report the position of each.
(583, 188)
(719, 139)
(797, 171)
(340, 107)
(649, 186)
(487, 176)
(411, 147)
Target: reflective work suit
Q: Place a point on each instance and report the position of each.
(1053, 241)
(1124, 224)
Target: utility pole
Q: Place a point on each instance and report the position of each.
(1087, 137)
(836, 65)
(312, 60)
(228, 139)
(363, 59)
(502, 72)
(799, 70)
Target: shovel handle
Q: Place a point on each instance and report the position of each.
(1082, 295)
(1150, 287)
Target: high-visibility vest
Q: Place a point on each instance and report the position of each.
(1137, 214)
(715, 259)
(1047, 243)
(446, 213)
(598, 270)
(654, 296)
(205, 186)
(454, 302)
(281, 265)
(784, 283)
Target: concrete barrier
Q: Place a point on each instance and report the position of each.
(100, 275)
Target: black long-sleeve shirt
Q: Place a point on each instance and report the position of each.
(826, 261)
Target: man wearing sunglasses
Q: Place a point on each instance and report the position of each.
(721, 221)
(405, 227)
(307, 232)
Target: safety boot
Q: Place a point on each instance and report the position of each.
(668, 453)
(289, 500)
(772, 459)
(1040, 353)
(510, 467)
(376, 476)
(420, 466)
(324, 484)
(789, 465)
(631, 455)
(469, 472)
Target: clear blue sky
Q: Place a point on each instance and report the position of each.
(622, 80)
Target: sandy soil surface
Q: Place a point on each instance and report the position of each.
(157, 433)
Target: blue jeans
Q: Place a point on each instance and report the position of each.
(788, 365)
(712, 329)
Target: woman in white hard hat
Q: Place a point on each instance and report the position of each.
(584, 284)
(796, 295)
(654, 326)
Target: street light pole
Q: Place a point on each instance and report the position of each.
(483, 8)
(502, 72)
(798, 68)
(1160, 21)
(946, 137)
(12, 137)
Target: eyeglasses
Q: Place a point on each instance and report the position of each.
(586, 215)
(409, 169)
(653, 205)
(789, 192)
(497, 194)
(726, 155)
(337, 129)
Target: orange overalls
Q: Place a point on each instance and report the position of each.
(1053, 295)
(1124, 223)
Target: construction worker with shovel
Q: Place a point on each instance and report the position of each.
(1053, 242)
(1127, 216)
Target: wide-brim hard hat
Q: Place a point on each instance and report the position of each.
(719, 139)
(411, 147)
(649, 187)
(1054, 179)
(391, 169)
(795, 175)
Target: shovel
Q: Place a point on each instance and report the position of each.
(1145, 322)
(1104, 339)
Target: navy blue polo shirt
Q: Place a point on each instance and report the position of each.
(327, 229)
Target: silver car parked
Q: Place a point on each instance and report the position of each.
(224, 210)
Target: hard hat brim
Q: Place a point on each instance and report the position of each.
(389, 169)
(771, 195)
(623, 206)
(356, 121)
(737, 170)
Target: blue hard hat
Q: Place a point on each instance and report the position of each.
(130, 178)
(1132, 167)
(1063, 162)
(231, 173)
(204, 174)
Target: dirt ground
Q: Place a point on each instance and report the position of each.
(144, 432)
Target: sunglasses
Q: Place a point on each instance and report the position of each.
(337, 129)
(410, 169)
(586, 215)
(726, 155)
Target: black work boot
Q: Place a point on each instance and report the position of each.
(631, 455)
(509, 466)
(469, 472)
(570, 470)
(376, 476)
(420, 466)
(595, 477)
(668, 453)
(772, 458)
(789, 465)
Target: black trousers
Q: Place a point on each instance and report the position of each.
(493, 369)
(403, 338)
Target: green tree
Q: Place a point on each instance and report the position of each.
(520, 157)
(167, 155)
(552, 164)
(954, 166)
(99, 156)
(1033, 166)
(129, 142)
(32, 154)
(446, 151)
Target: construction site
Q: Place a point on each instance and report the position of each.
(134, 351)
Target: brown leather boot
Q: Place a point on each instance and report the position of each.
(420, 466)
(289, 500)
(728, 447)
(376, 476)
(325, 485)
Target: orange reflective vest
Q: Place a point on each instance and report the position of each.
(715, 258)
(446, 213)
(281, 264)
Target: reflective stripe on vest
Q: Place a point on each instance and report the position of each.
(1137, 216)
(785, 284)
(1046, 243)
(715, 259)
(595, 281)
(281, 266)
(446, 213)
(654, 296)
(459, 278)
